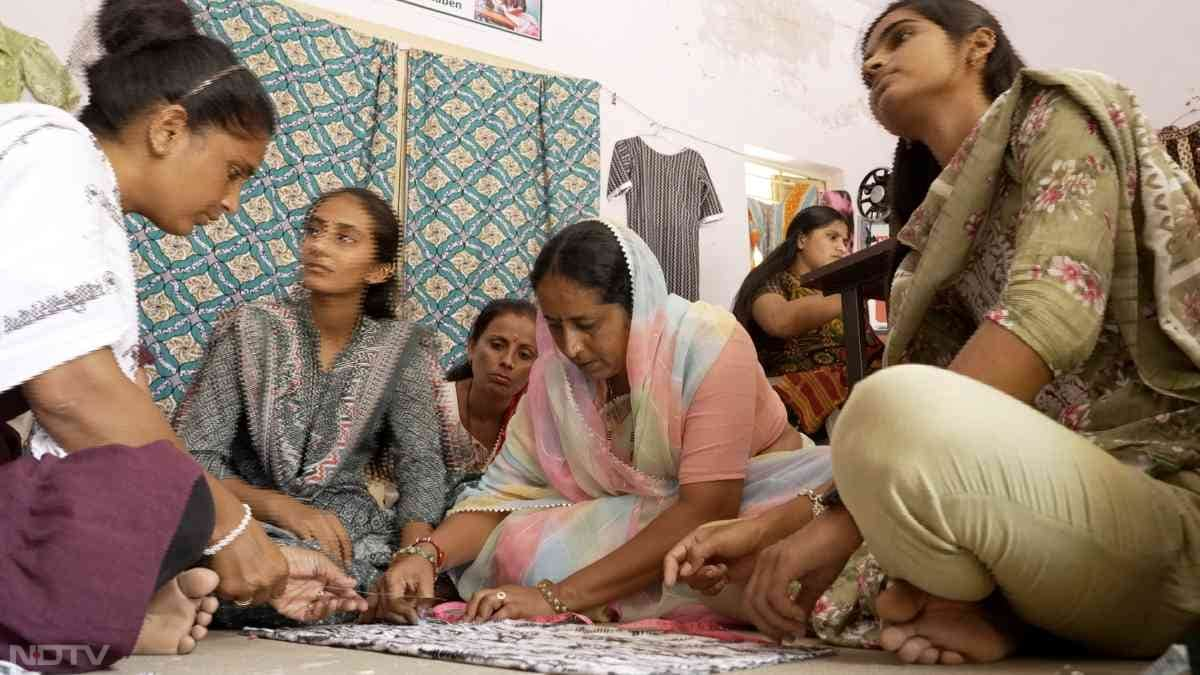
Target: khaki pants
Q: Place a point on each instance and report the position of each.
(962, 490)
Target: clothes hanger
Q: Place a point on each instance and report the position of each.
(1193, 108)
(656, 134)
(1185, 116)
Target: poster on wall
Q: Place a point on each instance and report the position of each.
(521, 17)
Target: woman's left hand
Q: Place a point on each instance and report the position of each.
(507, 602)
(814, 556)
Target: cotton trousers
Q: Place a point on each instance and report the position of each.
(85, 541)
(964, 491)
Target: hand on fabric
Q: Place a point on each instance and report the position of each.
(715, 554)
(407, 577)
(316, 587)
(251, 568)
(307, 522)
(507, 602)
(814, 556)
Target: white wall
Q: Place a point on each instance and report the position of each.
(768, 73)
(1150, 46)
(771, 76)
(778, 74)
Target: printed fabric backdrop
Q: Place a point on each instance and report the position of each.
(496, 160)
(335, 96)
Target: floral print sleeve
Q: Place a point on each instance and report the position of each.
(1062, 234)
(774, 285)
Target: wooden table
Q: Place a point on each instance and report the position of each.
(861, 276)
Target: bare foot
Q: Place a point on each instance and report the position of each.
(179, 614)
(922, 628)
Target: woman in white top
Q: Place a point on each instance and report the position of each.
(174, 127)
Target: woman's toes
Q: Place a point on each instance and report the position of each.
(199, 633)
(952, 659)
(209, 604)
(186, 644)
(930, 656)
(913, 648)
(893, 637)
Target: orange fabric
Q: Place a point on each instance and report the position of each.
(812, 395)
(797, 199)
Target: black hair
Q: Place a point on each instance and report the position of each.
(379, 302)
(154, 55)
(492, 311)
(778, 260)
(589, 254)
(914, 168)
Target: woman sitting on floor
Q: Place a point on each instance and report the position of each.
(646, 415)
(481, 394)
(173, 128)
(798, 331)
(1039, 474)
(475, 404)
(295, 398)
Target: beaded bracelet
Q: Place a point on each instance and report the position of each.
(822, 503)
(420, 553)
(546, 587)
(818, 507)
(234, 534)
(441, 555)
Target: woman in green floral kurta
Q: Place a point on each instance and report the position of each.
(1043, 474)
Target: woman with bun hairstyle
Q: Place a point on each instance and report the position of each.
(106, 514)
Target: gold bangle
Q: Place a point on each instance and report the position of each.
(546, 587)
(420, 553)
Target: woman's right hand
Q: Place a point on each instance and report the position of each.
(409, 576)
(307, 522)
(316, 587)
(715, 554)
(251, 568)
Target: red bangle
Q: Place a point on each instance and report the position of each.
(441, 555)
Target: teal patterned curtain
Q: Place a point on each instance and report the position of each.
(496, 160)
(335, 95)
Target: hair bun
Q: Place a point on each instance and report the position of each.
(126, 26)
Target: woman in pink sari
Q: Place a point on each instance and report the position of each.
(646, 416)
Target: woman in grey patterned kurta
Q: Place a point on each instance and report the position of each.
(295, 398)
